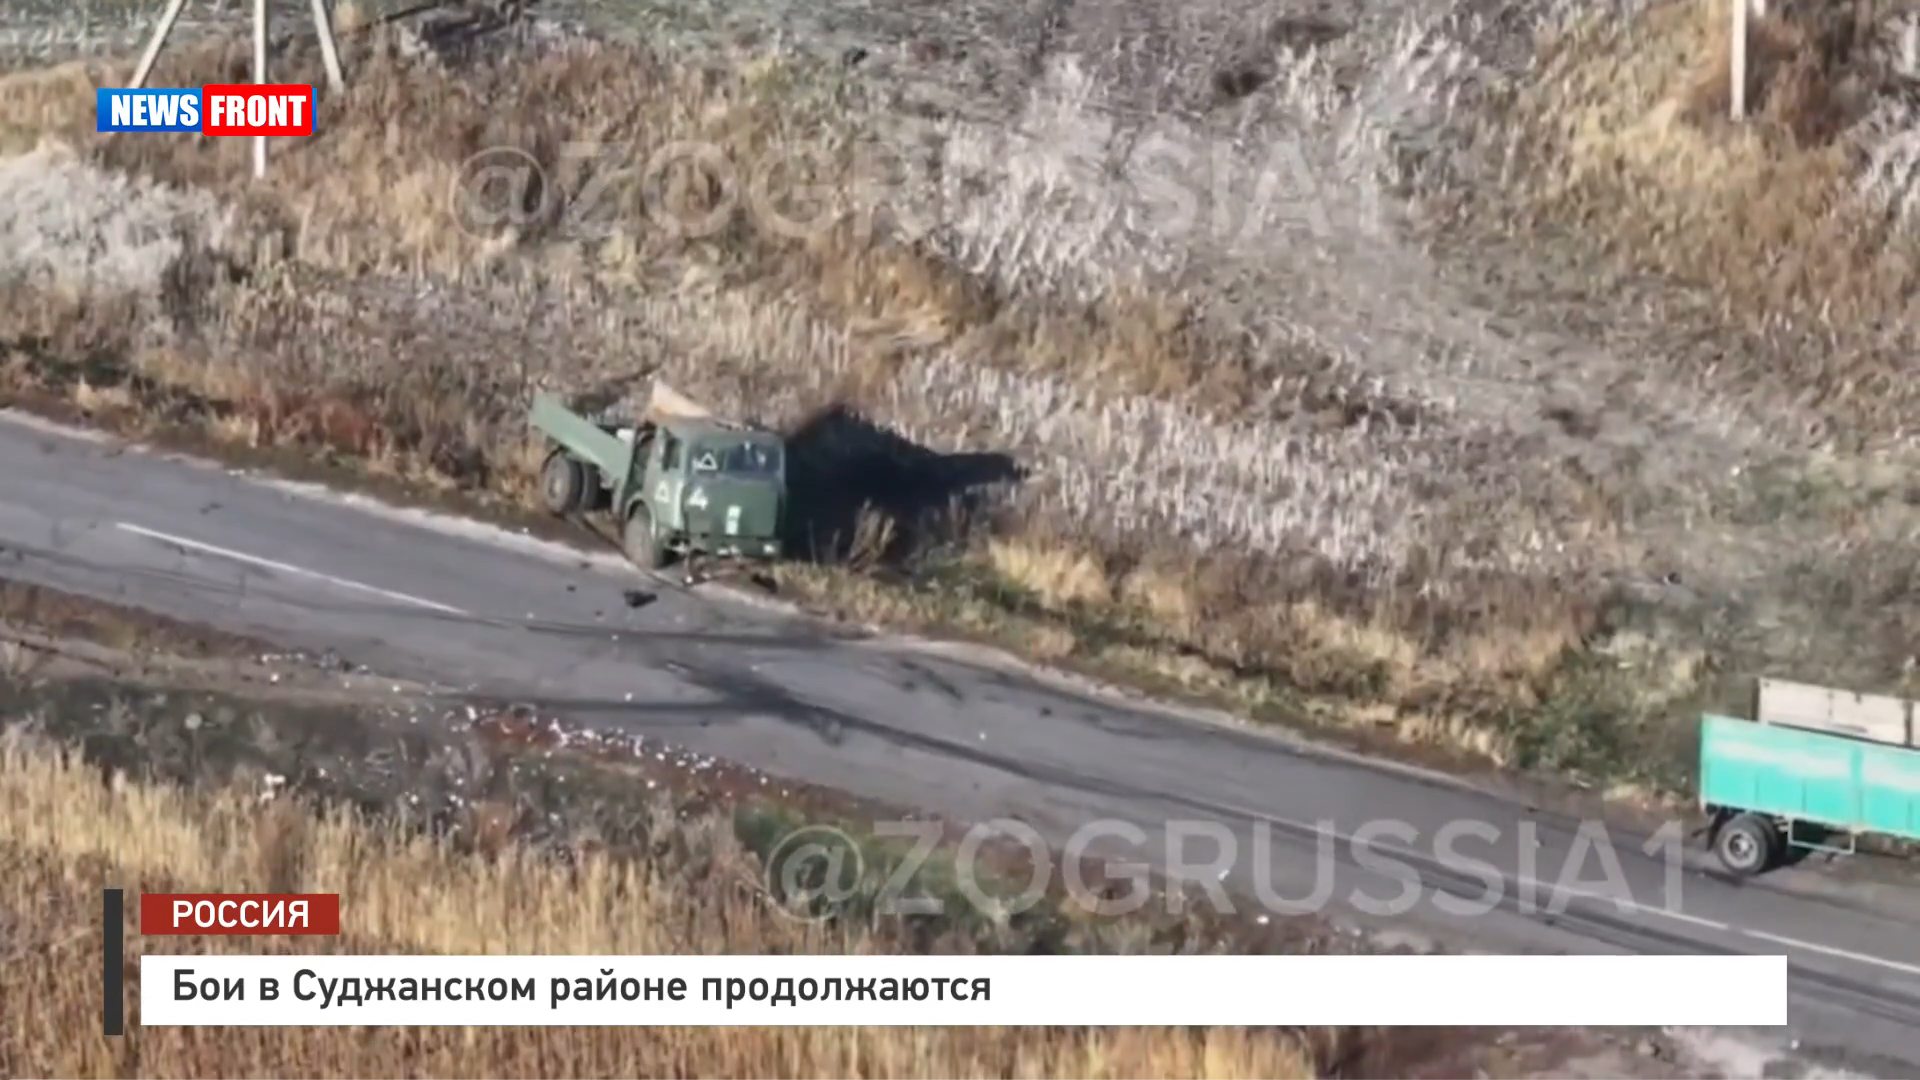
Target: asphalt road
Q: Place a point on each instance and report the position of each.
(965, 740)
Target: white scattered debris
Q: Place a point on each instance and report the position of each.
(1729, 1053)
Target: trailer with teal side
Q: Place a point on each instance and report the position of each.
(1816, 769)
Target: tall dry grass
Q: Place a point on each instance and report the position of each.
(1638, 114)
(1273, 486)
(1788, 237)
(66, 835)
(1329, 477)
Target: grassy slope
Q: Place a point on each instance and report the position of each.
(1546, 540)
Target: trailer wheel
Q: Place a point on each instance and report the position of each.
(637, 539)
(563, 483)
(1747, 844)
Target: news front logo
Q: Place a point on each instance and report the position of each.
(237, 109)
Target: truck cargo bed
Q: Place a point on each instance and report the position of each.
(1846, 784)
(582, 438)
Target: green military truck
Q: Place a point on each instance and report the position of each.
(679, 481)
(1816, 769)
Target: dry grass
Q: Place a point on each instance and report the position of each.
(1089, 394)
(66, 835)
(144, 756)
(1259, 482)
(1778, 255)
(1639, 117)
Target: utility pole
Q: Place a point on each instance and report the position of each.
(322, 24)
(160, 32)
(260, 78)
(1737, 70)
(329, 52)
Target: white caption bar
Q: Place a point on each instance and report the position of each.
(1503, 991)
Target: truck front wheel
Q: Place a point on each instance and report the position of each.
(637, 539)
(1747, 844)
(563, 483)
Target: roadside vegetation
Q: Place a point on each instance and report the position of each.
(1519, 469)
(68, 835)
(141, 754)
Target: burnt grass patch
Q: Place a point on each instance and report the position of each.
(862, 492)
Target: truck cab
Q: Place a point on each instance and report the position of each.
(713, 488)
(678, 481)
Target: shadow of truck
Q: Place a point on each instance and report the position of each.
(859, 490)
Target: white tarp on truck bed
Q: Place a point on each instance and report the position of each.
(1820, 708)
(666, 403)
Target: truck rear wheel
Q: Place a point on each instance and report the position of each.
(563, 483)
(637, 539)
(1747, 844)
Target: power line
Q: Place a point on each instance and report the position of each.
(322, 24)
